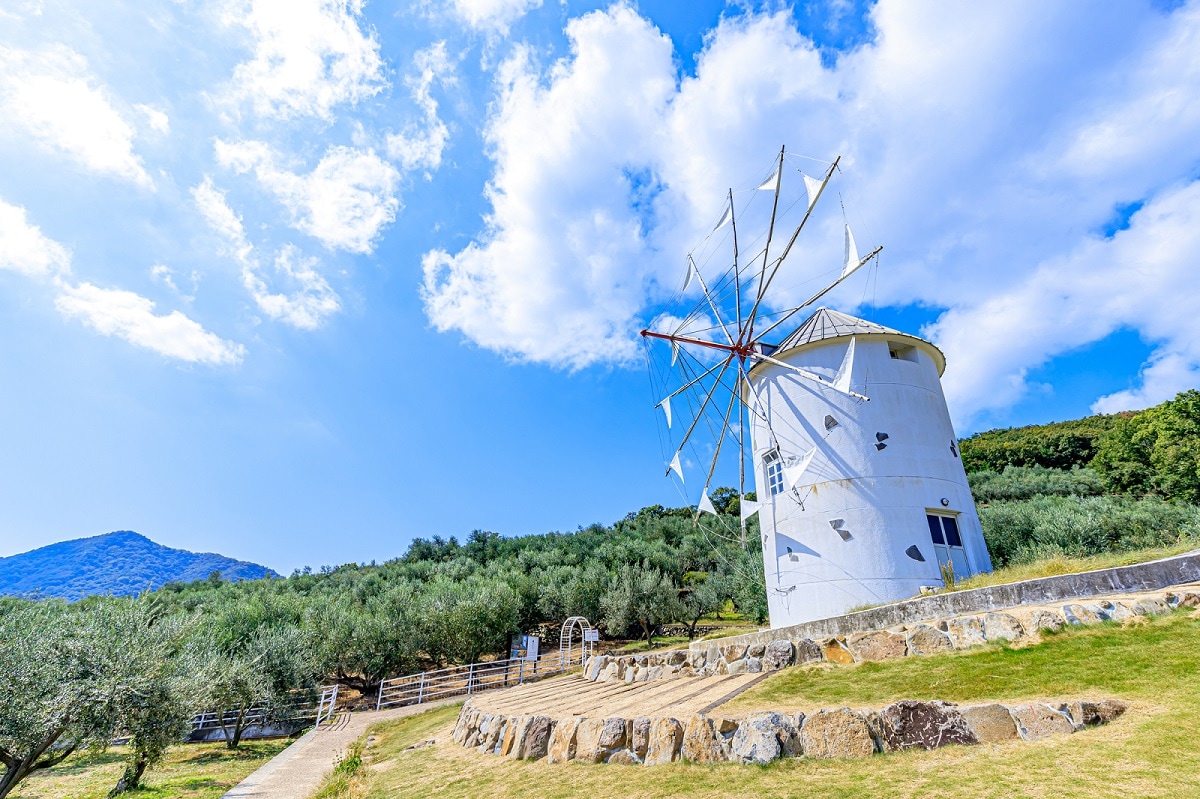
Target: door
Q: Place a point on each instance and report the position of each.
(947, 543)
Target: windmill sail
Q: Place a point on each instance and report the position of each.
(813, 187)
(852, 261)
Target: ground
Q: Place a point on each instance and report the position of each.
(1152, 751)
(193, 771)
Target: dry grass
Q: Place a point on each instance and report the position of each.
(191, 771)
(1051, 567)
(1149, 752)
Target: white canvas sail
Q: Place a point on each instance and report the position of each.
(769, 183)
(725, 217)
(813, 187)
(666, 406)
(706, 505)
(676, 467)
(792, 473)
(852, 259)
(749, 508)
(842, 381)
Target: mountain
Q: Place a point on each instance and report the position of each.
(120, 563)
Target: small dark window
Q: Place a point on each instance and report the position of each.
(952, 537)
(935, 529)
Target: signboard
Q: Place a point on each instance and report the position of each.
(524, 647)
(591, 636)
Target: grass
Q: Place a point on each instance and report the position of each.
(1061, 564)
(1054, 566)
(191, 771)
(1149, 752)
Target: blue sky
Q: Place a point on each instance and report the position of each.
(300, 281)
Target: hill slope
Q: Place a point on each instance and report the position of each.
(120, 563)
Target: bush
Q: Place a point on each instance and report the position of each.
(1026, 482)
(1023, 531)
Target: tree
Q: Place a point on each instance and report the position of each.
(66, 681)
(1157, 451)
(640, 595)
(707, 596)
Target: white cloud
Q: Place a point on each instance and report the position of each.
(492, 15)
(344, 202)
(24, 249)
(421, 146)
(309, 56)
(984, 151)
(158, 121)
(130, 316)
(311, 300)
(52, 96)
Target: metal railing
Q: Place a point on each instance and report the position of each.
(416, 689)
(320, 710)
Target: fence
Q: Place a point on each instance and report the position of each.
(320, 710)
(428, 686)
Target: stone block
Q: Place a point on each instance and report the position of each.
(835, 651)
(537, 738)
(1091, 714)
(1045, 620)
(701, 742)
(879, 645)
(1119, 611)
(753, 665)
(562, 740)
(756, 650)
(733, 652)
(587, 741)
(760, 738)
(666, 737)
(624, 757)
(909, 724)
(807, 651)
(1078, 614)
(735, 667)
(591, 672)
(1036, 721)
(778, 655)
(926, 640)
(1189, 600)
(1002, 626)
(1150, 607)
(990, 723)
(725, 726)
(513, 733)
(614, 734)
(965, 631)
(676, 658)
(640, 735)
(836, 733)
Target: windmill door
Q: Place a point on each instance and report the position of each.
(947, 543)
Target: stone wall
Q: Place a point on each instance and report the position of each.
(774, 649)
(1155, 575)
(763, 737)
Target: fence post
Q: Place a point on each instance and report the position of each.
(379, 704)
(521, 671)
(470, 677)
(421, 689)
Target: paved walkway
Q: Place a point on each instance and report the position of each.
(296, 772)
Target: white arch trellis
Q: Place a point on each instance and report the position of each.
(566, 641)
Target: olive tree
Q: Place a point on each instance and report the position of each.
(640, 595)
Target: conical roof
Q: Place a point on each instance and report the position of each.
(826, 323)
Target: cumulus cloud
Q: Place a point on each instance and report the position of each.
(493, 16)
(421, 146)
(52, 97)
(309, 56)
(158, 121)
(24, 249)
(344, 202)
(984, 155)
(310, 299)
(130, 316)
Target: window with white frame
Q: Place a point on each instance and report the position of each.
(774, 468)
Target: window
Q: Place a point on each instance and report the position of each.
(774, 466)
(902, 352)
(947, 542)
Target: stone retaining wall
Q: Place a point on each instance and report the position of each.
(1152, 576)
(753, 654)
(763, 737)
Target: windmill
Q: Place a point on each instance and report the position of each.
(842, 421)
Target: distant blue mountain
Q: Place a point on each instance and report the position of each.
(121, 564)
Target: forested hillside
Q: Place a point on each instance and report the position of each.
(122, 564)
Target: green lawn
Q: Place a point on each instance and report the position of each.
(1152, 751)
(191, 771)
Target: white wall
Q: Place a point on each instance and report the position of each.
(882, 495)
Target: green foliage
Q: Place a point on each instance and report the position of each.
(1059, 445)
(1026, 482)
(640, 596)
(1155, 452)
(1022, 531)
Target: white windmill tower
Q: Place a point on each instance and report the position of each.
(861, 495)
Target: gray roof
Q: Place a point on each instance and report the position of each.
(826, 324)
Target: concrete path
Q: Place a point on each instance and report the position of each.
(296, 772)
